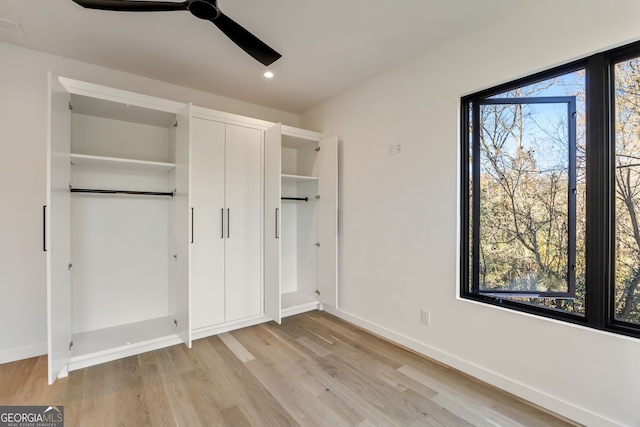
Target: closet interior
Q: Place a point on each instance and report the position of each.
(299, 228)
(301, 211)
(122, 184)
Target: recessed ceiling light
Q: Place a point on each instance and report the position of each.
(11, 26)
(268, 74)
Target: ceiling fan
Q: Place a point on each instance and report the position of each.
(203, 9)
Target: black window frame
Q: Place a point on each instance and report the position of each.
(570, 102)
(600, 197)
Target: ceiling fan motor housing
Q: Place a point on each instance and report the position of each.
(204, 9)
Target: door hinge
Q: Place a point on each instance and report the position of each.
(318, 197)
(318, 244)
(70, 106)
(175, 125)
(175, 322)
(70, 345)
(70, 265)
(317, 292)
(318, 149)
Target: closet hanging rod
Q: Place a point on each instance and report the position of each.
(138, 193)
(306, 199)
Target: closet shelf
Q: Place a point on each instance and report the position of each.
(297, 178)
(114, 162)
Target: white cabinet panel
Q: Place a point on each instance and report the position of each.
(58, 235)
(328, 221)
(272, 221)
(179, 228)
(227, 216)
(207, 202)
(244, 213)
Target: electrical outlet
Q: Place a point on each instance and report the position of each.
(399, 148)
(392, 149)
(425, 317)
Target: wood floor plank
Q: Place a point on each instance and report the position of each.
(182, 410)
(255, 337)
(74, 392)
(40, 391)
(364, 347)
(312, 370)
(369, 361)
(429, 412)
(155, 394)
(345, 411)
(14, 376)
(238, 349)
(203, 394)
(245, 389)
(299, 402)
(385, 399)
(318, 350)
(234, 417)
(379, 366)
(478, 416)
(349, 395)
(92, 398)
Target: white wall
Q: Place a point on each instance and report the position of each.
(400, 214)
(23, 119)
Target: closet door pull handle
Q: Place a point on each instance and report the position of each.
(222, 223)
(228, 222)
(44, 228)
(192, 225)
(277, 230)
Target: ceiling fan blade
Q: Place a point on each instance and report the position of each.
(132, 5)
(245, 40)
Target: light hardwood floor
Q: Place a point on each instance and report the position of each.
(313, 370)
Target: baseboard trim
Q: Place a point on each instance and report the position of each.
(23, 353)
(516, 388)
(208, 331)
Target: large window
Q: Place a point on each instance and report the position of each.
(551, 193)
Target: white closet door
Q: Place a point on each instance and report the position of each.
(244, 214)
(207, 202)
(179, 300)
(272, 221)
(58, 223)
(328, 221)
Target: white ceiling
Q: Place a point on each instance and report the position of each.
(327, 46)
